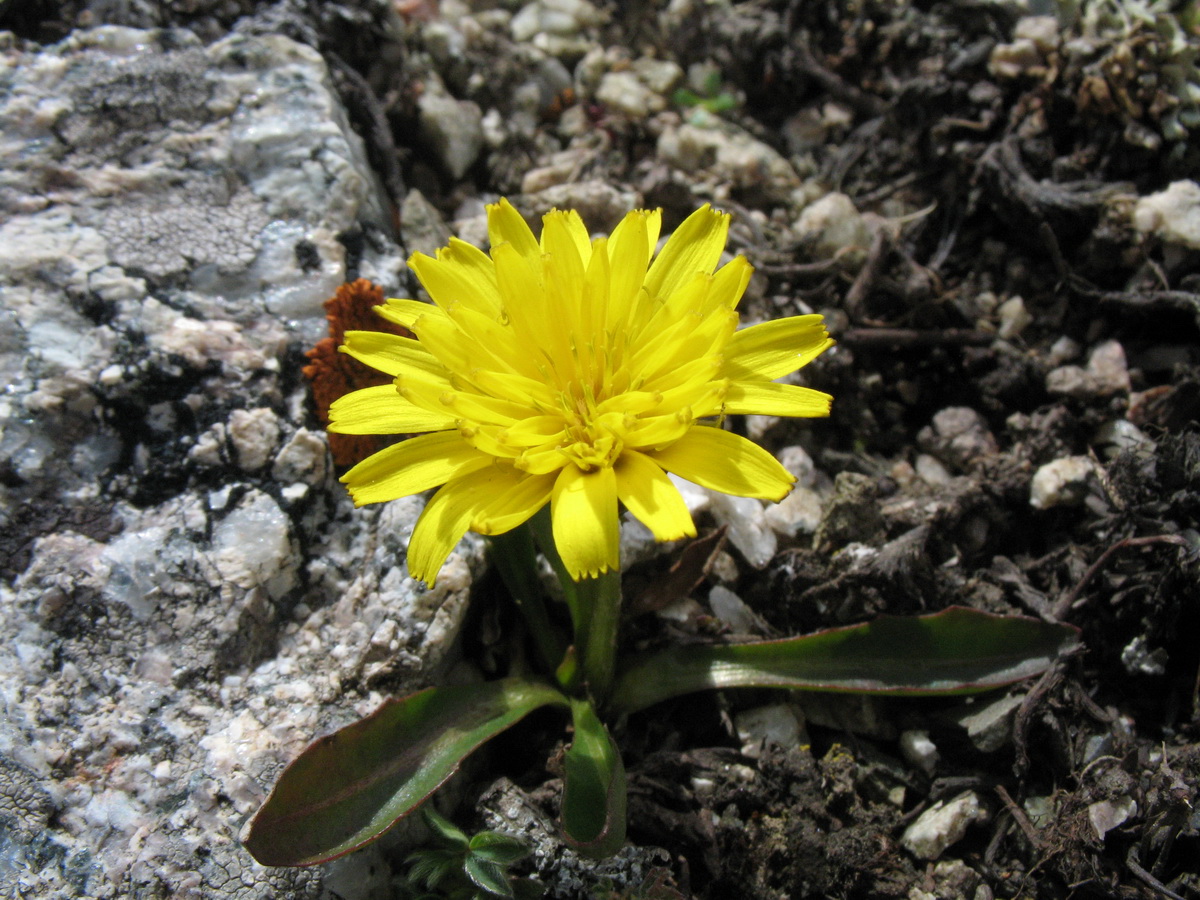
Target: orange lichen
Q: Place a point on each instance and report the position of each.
(333, 374)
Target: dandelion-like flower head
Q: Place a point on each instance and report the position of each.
(578, 372)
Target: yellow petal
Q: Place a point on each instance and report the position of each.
(393, 355)
(461, 275)
(570, 223)
(766, 398)
(404, 312)
(695, 246)
(583, 514)
(441, 525)
(441, 336)
(479, 408)
(773, 349)
(412, 466)
(629, 250)
(653, 499)
(381, 410)
(594, 302)
(507, 226)
(651, 432)
(514, 503)
(725, 462)
(498, 495)
(523, 297)
(562, 276)
(730, 282)
(515, 387)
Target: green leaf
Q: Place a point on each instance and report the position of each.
(593, 804)
(488, 875)
(430, 867)
(499, 848)
(957, 651)
(445, 829)
(350, 787)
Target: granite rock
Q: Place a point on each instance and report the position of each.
(190, 597)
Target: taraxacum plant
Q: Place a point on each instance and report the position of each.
(552, 382)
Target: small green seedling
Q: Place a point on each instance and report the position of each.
(712, 96)
(466, 868)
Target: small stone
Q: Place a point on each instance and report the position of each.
(563, 18)
(302, 458)
(1138, 659)
(1108, 369)
(919, 750)
(777, 725)
(1020, 57)
(1118, 436)
(1043, 31)
(733, 611)
(660, 75)
(1014, 318)
(798, 462)
(1173, 215)
(959, 437)
(727, 155)
(1105, 815)
(931, 470)
(1063, 350)
(453, 129)
(748, 527)
(624, 92)
(989, 727)
(1069, 381)
(695, 498)
(1107, 373)
(832, 224)
(797, 513)
(253, 434)
(422, 228)
(943, 824)
(1063, 482)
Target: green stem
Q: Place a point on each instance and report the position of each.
(544, 533)
(600, 599)
(515, 557)
(595, 605)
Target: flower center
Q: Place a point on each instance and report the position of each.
(590, 439)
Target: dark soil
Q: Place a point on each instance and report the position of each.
(1024, 185)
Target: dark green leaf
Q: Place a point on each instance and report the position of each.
(499, 848)
(488, 876)
(430, 867)
(444, 828)
(593, 804)
(350, 787)
(957, 651)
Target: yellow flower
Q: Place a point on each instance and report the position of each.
(578, 372)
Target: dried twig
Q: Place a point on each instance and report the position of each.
(867, 276)
(1019, 817)
(1136, 868)
(1045, 684)
(1067, 603)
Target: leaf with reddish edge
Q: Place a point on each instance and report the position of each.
(348, 788)
(956, 651)
(594, 788)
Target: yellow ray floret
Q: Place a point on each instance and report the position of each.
(576, 372)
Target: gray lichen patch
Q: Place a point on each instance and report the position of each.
(202, 222)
